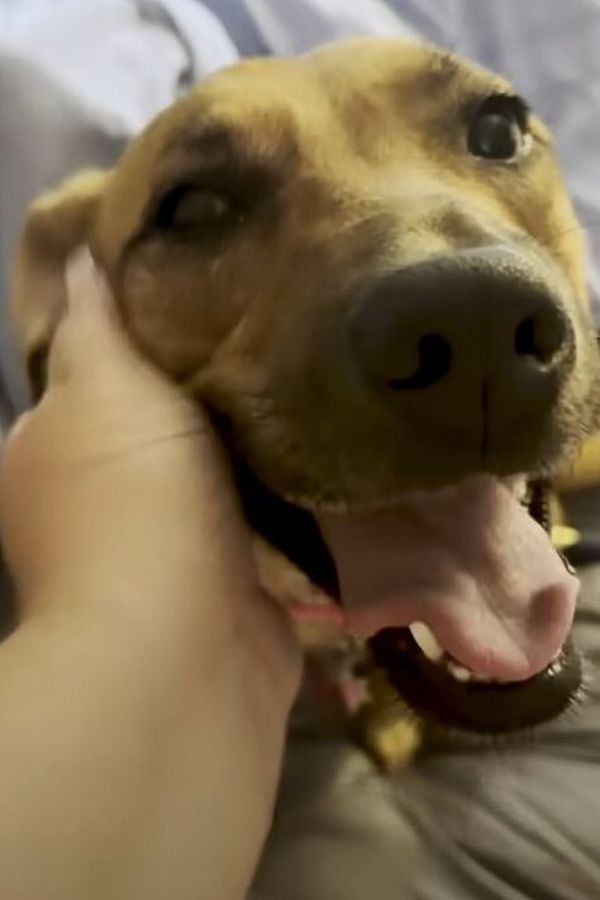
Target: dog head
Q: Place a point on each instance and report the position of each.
(363, 260)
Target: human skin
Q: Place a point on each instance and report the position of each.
(145, 693)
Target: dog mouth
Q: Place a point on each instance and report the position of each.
(458, 593)
(439, 688)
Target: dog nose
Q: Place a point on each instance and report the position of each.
(475, 346)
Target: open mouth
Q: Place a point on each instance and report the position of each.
(439, 688)
(460, 596)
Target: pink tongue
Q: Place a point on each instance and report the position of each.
(470, 563)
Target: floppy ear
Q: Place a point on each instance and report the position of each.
(55, 226)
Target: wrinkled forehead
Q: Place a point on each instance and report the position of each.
(267, 116)
(260, 104)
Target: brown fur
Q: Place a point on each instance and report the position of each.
(355, 160)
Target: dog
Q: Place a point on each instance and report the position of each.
(364, 263)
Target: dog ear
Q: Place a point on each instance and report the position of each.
(55, 225)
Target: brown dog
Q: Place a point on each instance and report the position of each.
(365, 263)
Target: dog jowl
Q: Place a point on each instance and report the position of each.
(364, 262)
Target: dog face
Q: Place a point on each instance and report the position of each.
(365, 263)
(356, 256)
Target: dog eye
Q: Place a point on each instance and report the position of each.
(498, 130)
(189, 207)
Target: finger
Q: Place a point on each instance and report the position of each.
(91, 336)
(106, 382)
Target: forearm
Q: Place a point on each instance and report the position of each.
(118, 747)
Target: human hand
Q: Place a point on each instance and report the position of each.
(119, 515)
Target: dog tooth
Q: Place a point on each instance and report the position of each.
(481, 677)
(427, 641)
(460, 673)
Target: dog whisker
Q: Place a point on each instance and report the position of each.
(583, 225)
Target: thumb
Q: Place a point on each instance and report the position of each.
(90, 341)
(106, 389)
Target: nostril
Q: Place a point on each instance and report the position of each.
(435, 358)
(525, 343)
(540, 337)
